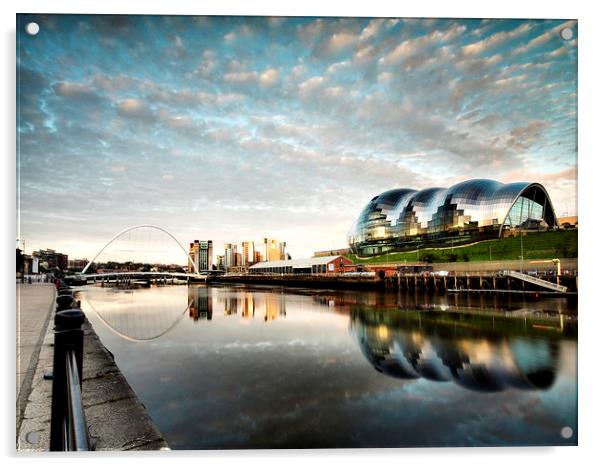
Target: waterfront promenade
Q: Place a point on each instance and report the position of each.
(34, 308)
(116, 419)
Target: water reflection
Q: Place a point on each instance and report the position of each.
(393, 332)
(442, 348)
(148, 314)
(437, 363)
(136, 315)
(200, 304)
(247, 304)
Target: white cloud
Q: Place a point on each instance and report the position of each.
(418, 46)
(310, 85)
(134, 108)
(269, 77)
(495, 40)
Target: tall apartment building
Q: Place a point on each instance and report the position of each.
(201, 253)
(274, 251)
(248, 253)
(229, 255)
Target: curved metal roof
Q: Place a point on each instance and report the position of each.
(480, 202)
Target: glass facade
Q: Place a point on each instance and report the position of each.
(403, 219)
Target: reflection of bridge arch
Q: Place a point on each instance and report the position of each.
(138, 320)
(122, 232)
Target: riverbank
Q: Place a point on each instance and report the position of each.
(383, 279)
(116, 419)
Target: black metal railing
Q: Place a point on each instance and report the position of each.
(68, 428)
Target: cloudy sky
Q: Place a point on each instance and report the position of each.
(233, 128)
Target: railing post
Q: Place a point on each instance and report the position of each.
(68, 336)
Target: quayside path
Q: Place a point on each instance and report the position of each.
(116, 419)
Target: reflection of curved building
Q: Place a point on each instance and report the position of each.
(473, 362)
(469, 211)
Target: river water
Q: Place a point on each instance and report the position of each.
(237, 367)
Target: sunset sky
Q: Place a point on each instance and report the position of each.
(234, 128)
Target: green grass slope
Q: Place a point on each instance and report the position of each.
(542, 245)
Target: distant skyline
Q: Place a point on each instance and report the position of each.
(233, 128)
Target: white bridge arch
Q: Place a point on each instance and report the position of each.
(122, 232)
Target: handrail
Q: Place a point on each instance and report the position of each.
(68, 429)
(77, 438)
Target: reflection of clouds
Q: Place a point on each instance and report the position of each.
(405, 351)
(262, 344)
(301, 381)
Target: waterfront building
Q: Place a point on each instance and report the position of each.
(470, 211)
(230, 251)
(248, 253)
(274, 250)
(28, 264)
(258, 257)
(221, 263)
(77, 264)
(51, 259)
(314, 265)
(201, 253)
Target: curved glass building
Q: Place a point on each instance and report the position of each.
(473, 210)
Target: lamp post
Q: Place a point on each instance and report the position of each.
(521, 251)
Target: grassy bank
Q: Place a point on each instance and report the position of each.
(544, 245)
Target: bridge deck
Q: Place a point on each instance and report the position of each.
(141, 274)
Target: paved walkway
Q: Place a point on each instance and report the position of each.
(116, 419)
(34, 305)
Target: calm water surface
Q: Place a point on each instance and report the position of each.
(238, 367)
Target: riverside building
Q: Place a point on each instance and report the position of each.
(470, 211)
(314, 265)
(201, 253)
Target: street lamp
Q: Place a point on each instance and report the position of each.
(521, 251)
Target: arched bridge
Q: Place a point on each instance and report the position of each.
(135, 274)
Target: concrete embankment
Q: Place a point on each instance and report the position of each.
(303, 281)
(431, 283)
(116, 419)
